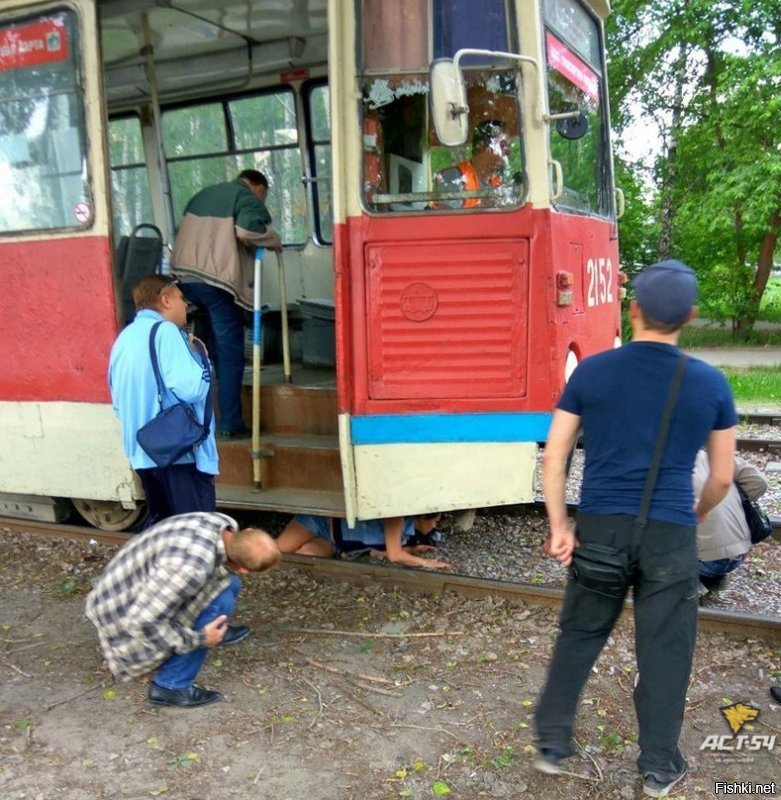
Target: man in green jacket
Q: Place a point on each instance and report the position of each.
(214, 258)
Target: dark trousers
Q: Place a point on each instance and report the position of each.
(662, 569)
(178, 489)
(225, 322)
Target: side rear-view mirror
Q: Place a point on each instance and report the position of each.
(449, 110)
(573, 125)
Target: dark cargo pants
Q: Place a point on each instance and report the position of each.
(662, 569)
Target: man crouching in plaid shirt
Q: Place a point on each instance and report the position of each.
(166, 597)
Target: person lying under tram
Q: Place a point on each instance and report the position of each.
(389, 538)
(166, 598)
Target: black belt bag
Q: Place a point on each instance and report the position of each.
(600, 568)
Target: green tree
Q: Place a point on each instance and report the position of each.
(708, 75)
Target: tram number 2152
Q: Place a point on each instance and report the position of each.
(600, 281)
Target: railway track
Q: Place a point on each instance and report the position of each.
(736, 623)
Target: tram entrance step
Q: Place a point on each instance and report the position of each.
(294, 461)
(283, 499)
(295, 408)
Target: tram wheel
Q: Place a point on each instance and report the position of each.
(109, 515)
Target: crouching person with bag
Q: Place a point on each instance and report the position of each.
(155, 368)
(166, 597)
(726, 536)
(645, 410)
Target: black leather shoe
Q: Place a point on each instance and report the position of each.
(182, 698)
(235, 634)
(776, 692)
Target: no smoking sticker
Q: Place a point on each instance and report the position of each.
(82, 212)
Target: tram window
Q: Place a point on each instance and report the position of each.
(320, 137)
(211, 143)
(43, 165)
(402, 159)
(131, 201)
(575, 84)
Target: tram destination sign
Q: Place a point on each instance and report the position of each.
(41, 42)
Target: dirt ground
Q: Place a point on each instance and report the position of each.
(341, 693)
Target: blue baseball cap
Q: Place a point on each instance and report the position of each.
(666, 291)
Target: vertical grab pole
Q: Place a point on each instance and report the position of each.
(257, 333)
(283, 311)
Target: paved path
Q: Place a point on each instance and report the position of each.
(738, 356)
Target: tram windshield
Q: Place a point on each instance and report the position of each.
(404, 166)
(43, 168)
(576, 86)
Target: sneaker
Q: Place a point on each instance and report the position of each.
(549, 760)
(656, 788)
(775, 691)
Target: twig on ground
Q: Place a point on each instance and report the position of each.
(377, 690)
(74, 697)
(321, 706)
(365, 635)
(347, 690)
(371, 678)
(259, 773)
(16, 669)
(424, 728)
(26, 647)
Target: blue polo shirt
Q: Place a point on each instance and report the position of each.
(620, 396)
(134, 390)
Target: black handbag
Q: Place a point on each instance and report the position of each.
(758, 523)
(174, 431)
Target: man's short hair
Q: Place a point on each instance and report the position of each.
(485, 131)
(254, 550)
(666, 293)
(254, 177)
(147, 292)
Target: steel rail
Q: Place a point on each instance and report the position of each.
(736, 623)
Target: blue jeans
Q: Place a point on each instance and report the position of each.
(722, 566)
(181, 668)
(225, 322)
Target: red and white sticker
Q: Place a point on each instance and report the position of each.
(571, 67)
(36, 43)
(82, 212)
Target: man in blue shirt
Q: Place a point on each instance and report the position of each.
(617, 398)
(188, 484)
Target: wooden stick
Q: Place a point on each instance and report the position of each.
(371, 678)
(364, 635)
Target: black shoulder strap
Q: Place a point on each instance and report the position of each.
(207, 408)
(661, 441)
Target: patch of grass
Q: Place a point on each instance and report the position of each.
(721, 336)
(755, 384)
(770, 308)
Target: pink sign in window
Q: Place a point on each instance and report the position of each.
(571, 67)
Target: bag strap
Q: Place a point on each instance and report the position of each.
(661, 440)
(207, 409)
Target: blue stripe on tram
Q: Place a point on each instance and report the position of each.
(439, 428)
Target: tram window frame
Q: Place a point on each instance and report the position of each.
(123, 222)
(394, 182)
(573, 200)
(73, 201)
(318, 145)
(286, 192)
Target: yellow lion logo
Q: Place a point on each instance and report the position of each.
(738, 714)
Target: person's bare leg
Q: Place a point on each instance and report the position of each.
(293, 537)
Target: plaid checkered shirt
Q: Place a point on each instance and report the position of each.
(145, 603)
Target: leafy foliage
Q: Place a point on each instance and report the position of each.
(706, 75)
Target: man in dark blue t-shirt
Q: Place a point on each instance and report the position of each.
(618, 398)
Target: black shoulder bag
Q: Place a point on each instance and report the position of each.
(175, 431)
(758, 523)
